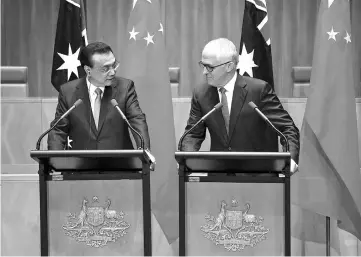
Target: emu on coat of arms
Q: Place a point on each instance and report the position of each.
(234, 228)
(96, 225)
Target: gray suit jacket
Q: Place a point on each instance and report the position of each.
(247, 131)
(112, 131)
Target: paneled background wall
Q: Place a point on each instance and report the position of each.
(28, 33)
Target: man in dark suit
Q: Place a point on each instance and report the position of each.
(96, 124)
(236, 126)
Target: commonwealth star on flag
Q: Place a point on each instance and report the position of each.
(70, 37)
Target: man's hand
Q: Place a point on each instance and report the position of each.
(294, 166)
(151, 159)
(152, 166)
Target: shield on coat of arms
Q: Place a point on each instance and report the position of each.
(234, 219)
(95, 216)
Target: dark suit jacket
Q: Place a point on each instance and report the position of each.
(247, 131)
(112, 132)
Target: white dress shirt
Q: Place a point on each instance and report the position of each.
(229, 91)
(92, 94)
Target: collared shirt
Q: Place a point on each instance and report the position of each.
(229, 91)
(92, 94)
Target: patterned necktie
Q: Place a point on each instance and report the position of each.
(97, 102)
(225, 110)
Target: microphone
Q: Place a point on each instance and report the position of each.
(115, 104)
(216, 107)
(254, 106)
(79, 101)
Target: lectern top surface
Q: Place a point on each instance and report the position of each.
(238, 162)
(86, 160)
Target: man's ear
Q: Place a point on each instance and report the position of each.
(231, 66)
(87, 69)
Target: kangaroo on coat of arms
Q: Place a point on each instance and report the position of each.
(96, 225)
(234, 228)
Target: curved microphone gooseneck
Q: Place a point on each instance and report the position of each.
(79, 101)
(216, 107)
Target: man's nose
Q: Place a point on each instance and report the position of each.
(112, 72)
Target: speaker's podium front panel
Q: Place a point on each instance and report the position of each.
(234, 219)
(95, 217)
(94, 202)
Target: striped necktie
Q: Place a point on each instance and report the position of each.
(225, 110)
(97, 103)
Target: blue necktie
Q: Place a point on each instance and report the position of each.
(97, 103)
(225, 110)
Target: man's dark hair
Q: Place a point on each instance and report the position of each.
(88, 51)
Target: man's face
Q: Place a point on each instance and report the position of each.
(104, 68)
(217, 76)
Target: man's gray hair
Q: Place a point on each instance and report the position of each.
(221, 47)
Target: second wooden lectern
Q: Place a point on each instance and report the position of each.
(94, 202)
(234, 203)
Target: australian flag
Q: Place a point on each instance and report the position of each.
(70, 36)
(255, 58)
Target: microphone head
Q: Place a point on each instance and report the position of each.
(252, 104)
(78, 102)
(217, 106)
(114, 102)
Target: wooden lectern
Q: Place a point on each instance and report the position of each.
(212, 188)
(65, 176)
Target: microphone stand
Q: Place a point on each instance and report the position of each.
(217, 106)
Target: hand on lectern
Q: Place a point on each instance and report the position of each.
(294, 166)
(151, 159)
(152, 166)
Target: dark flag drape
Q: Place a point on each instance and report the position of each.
(70, 37)
(255, 58)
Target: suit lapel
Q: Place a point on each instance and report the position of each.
(238, 99)
(105, 106)
(217, 115)
(83, 93)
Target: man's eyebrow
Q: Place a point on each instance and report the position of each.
(110, 64)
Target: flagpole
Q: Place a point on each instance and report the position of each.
(328, 233)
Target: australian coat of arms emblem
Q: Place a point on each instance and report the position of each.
(234, 228)
(96, 225)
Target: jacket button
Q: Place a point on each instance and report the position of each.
(229, 148)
